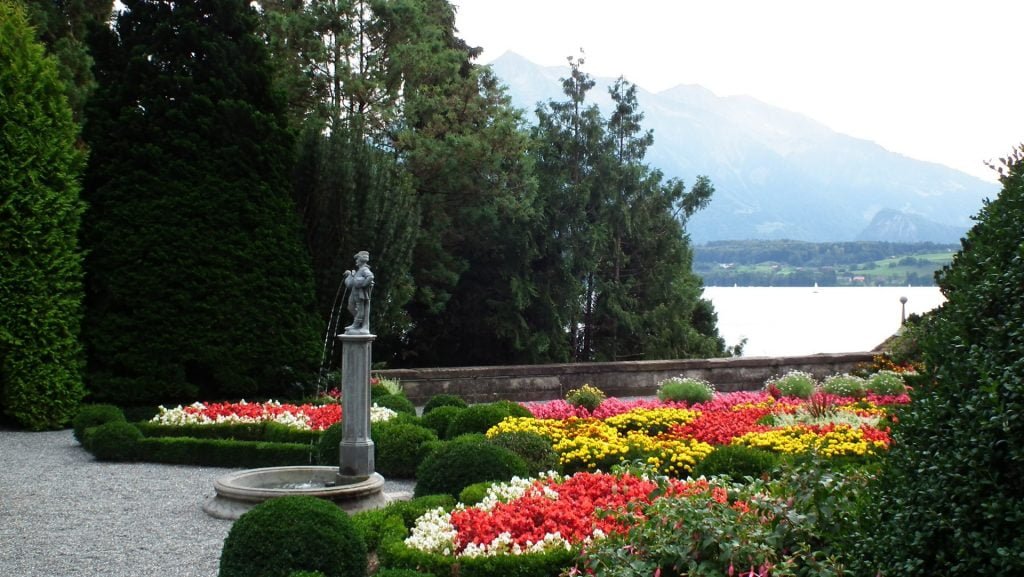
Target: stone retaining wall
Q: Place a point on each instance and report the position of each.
(622, 379)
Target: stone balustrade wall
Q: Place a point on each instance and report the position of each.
(618, 379)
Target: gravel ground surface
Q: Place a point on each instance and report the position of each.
(64, 514)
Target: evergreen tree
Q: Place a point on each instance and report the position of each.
(40, 216)
(62, 25)
(617, 262)
(197, 284)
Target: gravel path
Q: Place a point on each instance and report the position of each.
(64, 514)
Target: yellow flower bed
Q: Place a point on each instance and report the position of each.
(843, 440)
(590, 444)
(651, 421)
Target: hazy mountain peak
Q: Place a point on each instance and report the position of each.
(778, 173)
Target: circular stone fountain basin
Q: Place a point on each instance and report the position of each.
(238, 492)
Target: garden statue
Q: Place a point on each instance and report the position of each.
(360, 283)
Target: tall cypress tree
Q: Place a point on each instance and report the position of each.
(197, 283)
(40, 215)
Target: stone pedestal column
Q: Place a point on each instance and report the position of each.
(356, 449)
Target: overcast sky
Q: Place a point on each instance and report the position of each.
(936, 80)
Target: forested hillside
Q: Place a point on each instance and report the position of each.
(797, 263)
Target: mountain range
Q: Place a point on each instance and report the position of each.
(778, 174)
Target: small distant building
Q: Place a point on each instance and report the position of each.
(858, 279)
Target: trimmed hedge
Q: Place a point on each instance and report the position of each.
(479, 418)
(398, 403)
(113, 441)
(444, 400)
(440, 419)
(400, 448)
(268, 431)
(223, 452)
(93, 416)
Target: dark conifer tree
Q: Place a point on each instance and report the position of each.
(197, 283)
(40, 215)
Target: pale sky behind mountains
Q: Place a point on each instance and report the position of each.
(935, 80)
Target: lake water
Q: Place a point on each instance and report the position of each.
(785, 321)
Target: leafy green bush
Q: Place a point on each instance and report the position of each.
(845, 385)
(886, 383)
(93, 416)
(440, 419)
(590, 398)
(737, 461)
(113, 441)
(461, 462)
(444, 400)
(794, 384)
(950, 499)
(296, 532)
(513, 409)
(478, 418)
(328, 446)
(535, 449)
(398, 403)
(400, 448)
(685, 390)
(373, 524)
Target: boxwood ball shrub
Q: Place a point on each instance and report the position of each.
(535, 449)
(94, 416)
(886, 383)
(440, 418)
(400, 448)
(479, 418)
(737, 461)
(685, 390)
(293, 533)
(327, 447)
(113, 441)
(845, 385)
(398, 403)
(794, 384)
(444, 400)
(458, 463)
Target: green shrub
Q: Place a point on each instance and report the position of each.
(794, 384)
(590, 398)
(414, 508)
(400, 448)
(328, 447)
(377, 391)
(475, 493)
(737, 461)
(440, 419)
(461, 462)
(480, 418)
(113, 441)
(306, 574)
(444, 400)
(401, 573)
(845, 385)
(398, 403)
(513, 409)
(685, 390)
(296, 532)
(93, 416)
(535, 449)
(264, 431)
(950, 500)
(222, 452)
(886, 383)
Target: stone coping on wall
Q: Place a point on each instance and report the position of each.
(616, 379)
